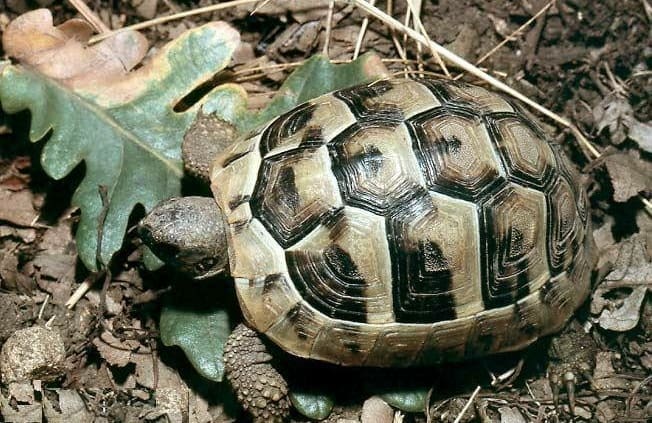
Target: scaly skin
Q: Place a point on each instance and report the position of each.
(260, 388)
(205, 139)
(572, 357)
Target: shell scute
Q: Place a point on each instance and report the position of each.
(295, 191)
(514, 246)
(455, 152)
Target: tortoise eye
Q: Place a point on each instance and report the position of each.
(205, 264)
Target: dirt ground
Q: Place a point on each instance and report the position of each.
(586, 60)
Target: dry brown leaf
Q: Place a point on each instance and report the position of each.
(510, 415)
(629, 174)
(632, 269)
(17, 208)
(33, 39)
(71, 408)
(626, 316)
(605, 376)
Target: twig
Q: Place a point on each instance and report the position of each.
(169, 18)
(42, 309)
(103, 269)
(397, 44)
(464, 64)
(329, 24)
(417, 21)
(467, 405)
(91, 17)
(361, 34)
(511, 36)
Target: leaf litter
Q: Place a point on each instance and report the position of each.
(615, 297)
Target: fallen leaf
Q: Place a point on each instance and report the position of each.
(641, 133)
(200, 332)
(411, 400)
(61, 53)
(16, 207)
(314, 405)
(605, 377)
(71, 408)
(615, 112)
(627, 315)
(116, 352)
(632, 269)
(123, 128)
(629, 174)
(510, 415)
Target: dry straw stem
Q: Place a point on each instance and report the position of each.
(467, 405)
(363, 30)
(88, 14)
(329, 24)
(469, 67)
(518, 32)
(163, 19)
(417, 20)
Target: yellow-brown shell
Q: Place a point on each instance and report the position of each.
(404, 222)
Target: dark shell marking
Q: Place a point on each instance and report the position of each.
(404, 222)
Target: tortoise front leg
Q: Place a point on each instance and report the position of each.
(260, 388)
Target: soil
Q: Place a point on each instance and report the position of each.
(586, 60)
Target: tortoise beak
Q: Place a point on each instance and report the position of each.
(188, 234)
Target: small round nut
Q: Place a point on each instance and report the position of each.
(32, 353)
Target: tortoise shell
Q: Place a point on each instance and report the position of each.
(404, 222)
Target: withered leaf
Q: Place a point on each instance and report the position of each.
(629, 174)
(32, 38)
(632, 269)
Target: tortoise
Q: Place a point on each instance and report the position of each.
(404, 222)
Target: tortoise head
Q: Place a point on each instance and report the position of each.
(189, 234)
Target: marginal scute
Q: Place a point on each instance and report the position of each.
(266, 300)
(515, 223)
(399, 345)
(264, 255)
(565, 228)
(375, 166)
(481, 99)
(446, 342)
(350, 343)
(299, 329)
(295, 192)
(234, 175)
(455, 153)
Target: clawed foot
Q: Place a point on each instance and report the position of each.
(259, 387)
(572, 358)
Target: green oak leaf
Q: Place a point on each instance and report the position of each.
(126, 132)
(312, 405)
(198, 322)
(316, 76)
(408, 400)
